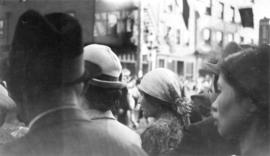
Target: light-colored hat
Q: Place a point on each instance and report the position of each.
(103, 65)
(164, 85)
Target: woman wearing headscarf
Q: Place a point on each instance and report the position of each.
(242, 108)
(162, 98)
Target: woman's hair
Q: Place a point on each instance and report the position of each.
(248, 73)
(102, 99)
(164, 106)
(157, 102)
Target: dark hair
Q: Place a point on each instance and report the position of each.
(158, 103)
(102, 99)
(248, 73)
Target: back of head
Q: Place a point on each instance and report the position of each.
(104, 87)
(164, 85)
(46, 54)
(248, 72)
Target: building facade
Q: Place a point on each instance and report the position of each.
(10, 10)
(172, 43)
(102, 21)
(166, 41)
(146, 34)
(264, 31)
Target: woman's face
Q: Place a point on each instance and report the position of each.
(149, 109)
(230, 111)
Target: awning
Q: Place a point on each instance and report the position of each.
(124, 49)
(114, 5)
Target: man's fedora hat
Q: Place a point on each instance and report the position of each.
(103, 66)
(46, 51)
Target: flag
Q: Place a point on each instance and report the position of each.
(246, 17)
(185, 12)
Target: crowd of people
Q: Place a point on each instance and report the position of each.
(60, 98)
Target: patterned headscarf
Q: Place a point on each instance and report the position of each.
(165, 85)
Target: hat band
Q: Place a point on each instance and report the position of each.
(105, 77)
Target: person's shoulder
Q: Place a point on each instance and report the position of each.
(162, 129)
(206, 124)
(16, 147)
(114, 131)
(157, 126)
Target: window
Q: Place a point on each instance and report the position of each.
(207, 35)
(232, 12)
(161, 63)
(242, 39)
(180, 68)
(230, 37)
(112, 24)
(219, 38)
(170, 7)
(2, 26)
(144, 58)
(221, 10)
(109, 23)
(178, 37)
(189, 69)
(208, 9)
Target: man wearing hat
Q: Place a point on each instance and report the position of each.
(45, 79)
(103, 93)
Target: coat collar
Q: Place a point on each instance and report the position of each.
(96, 114)
(57, 115)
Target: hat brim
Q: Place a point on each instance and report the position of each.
(210, 67)
(107, 84)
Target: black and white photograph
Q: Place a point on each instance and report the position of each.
(134, 77)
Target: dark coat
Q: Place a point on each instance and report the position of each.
(203, 139)
(69, 133)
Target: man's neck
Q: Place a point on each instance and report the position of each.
(93, 113)
(35, 108)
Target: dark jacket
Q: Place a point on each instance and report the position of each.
(68, 133)
(203, 139)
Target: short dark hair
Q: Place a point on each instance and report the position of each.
(248, 73)
(157, 102)
(102, 99)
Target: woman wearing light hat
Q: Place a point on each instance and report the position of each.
(163, 99)
(242, 108)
